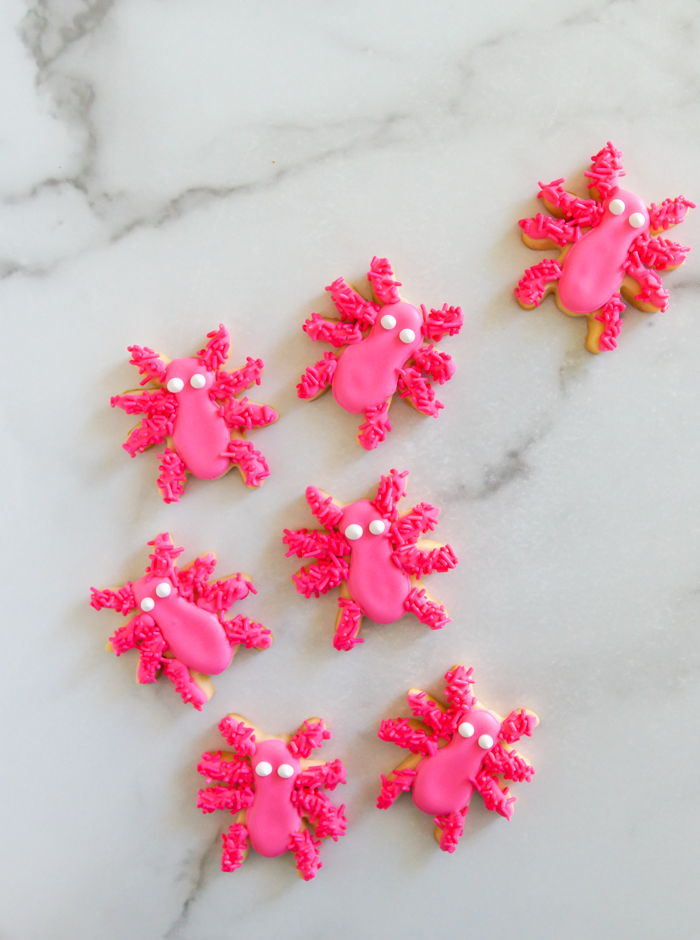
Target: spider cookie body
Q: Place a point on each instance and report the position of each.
(180, 628)
(383, 349)
(455, 750)
(276, 793)
(193, 406)
(609, 249)
(375, 555)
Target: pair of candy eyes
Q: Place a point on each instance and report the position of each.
(163, 590)
(355, 531)
(617, 207)
(197, 381)
(263, 769)
(467, 730)
(389, 322)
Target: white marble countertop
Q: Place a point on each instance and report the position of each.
(165, 167)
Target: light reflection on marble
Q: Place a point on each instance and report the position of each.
(170, 166)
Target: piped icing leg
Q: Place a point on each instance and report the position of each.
(604, 327)
(426, 608)
(376, 425)
(643, 287)
(318, 378)
(171, 480)
(537, 282)
(250, 462)
(307, 853)
(242, 631)
(418, 392)
(235, 847)
(184, 683)
(449, 829)
(242, 414)
(397, 782)
(347, 625)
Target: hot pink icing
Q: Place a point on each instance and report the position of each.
(595, 265)
(381, 568)
(272, 818)
(381, 351)
(606, 244)
(278, 795)
(458, 749)
(181, 625)
(196, 410)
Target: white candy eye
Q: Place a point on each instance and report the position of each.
(466, 730)
(376, 526)
(388, 322)
(263, 769)
(285, 770)
(486, 741)
(198, 380)
(636, 220)
(616, 206)
(407, 336)
(353, 532)
(147, 604)
(175, 386)
(164, 589)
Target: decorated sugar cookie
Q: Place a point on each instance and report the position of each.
(193, 406)
(384, 347)
(180, 626)
(609, 250)
(455, 750)
(375, 555)
(275, 792)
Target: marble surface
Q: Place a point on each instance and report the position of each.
(168, 166)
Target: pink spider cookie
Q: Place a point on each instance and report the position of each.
(609, 250)
(384, 348)
(376, 556)
(180, 627)
(455, 749)
(192, 404)
(275, 792)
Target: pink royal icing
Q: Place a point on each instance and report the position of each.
(383, 349)
(276, 791)
(375, 554)
(180, 627)
(193, 406)
(455, 749)
(608, 246)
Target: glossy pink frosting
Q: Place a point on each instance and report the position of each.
(194, 635)
(445, 781)
(367, 372)
(272, 818)
(594, 267)
(380, 597)
(200, 435)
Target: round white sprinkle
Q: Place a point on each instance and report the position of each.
(353, 532)
(407, 336)
(164, 589)
(175, 386)
(388, 322)
(198, 380)
(486, 741)
(466, 730)
(263, 769)
(147, 604)
(637, 220)
(285, 770)
(377, 526)
(616, 206)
